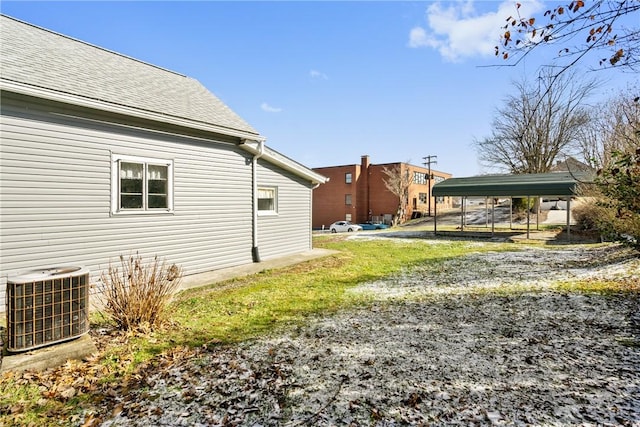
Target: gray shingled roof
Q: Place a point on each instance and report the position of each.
(43, 59)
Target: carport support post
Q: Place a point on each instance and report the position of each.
(528, 215)
(568, 218)
(486, 211)
(435, 217)
(510, 212)
(464, 202)
(493, 215)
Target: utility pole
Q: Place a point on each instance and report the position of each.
(428, 161)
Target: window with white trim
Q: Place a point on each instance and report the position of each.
(267, 200)
(347, 199)
(141, 185)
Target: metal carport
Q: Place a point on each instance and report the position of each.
(559, 184)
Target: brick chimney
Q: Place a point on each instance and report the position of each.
(364, 163)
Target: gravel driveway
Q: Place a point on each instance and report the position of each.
(438, 346)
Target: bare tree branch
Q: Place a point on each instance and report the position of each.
(539, 122)
(398, 180)
(595, 26)
(613, 127)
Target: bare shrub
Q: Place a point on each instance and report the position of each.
(135, 295)
(588, 215)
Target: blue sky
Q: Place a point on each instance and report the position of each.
(326, 82)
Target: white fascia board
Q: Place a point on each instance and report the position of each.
(272, 156)
(67, 98)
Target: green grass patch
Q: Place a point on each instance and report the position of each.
(245, 308)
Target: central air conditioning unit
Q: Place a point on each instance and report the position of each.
(46, 306)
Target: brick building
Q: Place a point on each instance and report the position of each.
(357, 193)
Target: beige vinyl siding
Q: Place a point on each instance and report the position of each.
(55, 192)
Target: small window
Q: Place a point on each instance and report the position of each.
(141, 185)
(347, 199)
(267, 197)
(423, 198)
(347, 178)
(347, 217)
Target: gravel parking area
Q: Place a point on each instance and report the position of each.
(437, 346)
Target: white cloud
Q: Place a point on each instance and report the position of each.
(418, 37)
(457, 30)
(269, 109)
(314, 74)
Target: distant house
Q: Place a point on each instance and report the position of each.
(571, 164)
(103, 155)
(358, 193)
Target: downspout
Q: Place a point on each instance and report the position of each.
(255, 253)
(316, 185)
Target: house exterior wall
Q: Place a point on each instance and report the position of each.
(373, 199)
(291, 227)
(55, 195)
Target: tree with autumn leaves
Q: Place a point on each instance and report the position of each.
(575, 30)
(611, 143)
(606, 32)
(619, 183)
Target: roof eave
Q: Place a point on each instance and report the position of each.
(272, 156)
(52, 95)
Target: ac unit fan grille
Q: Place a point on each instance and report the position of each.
(45, 312)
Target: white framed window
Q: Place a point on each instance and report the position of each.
(347, 199)
(141, 185)
(267, 200)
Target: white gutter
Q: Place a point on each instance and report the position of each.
(275, 158)
(97, 104)
(255, 252)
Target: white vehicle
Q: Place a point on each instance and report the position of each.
(344, 226)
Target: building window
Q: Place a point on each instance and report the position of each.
(141, 185)
(419, 178)
(347, 178)
(267, 200)
(423, 198)
(347, 199)
(347, 217)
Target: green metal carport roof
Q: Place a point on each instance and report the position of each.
(523, 185)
